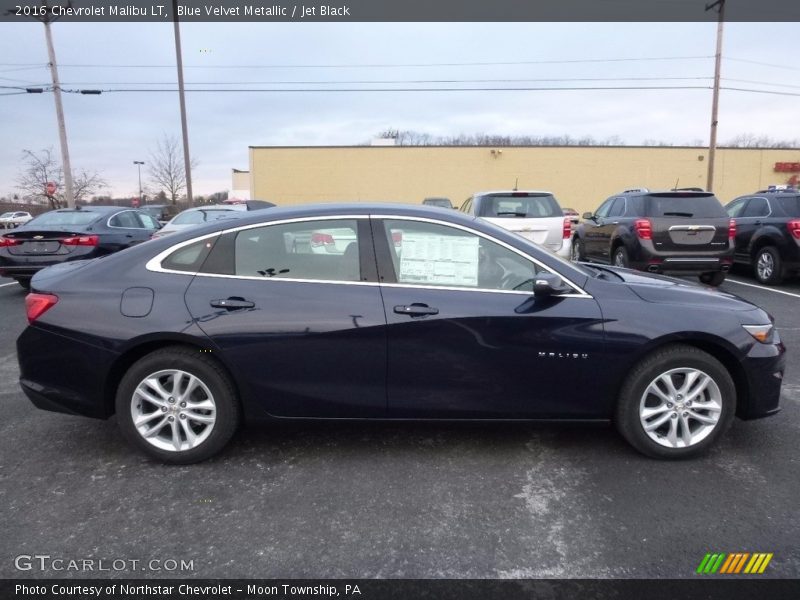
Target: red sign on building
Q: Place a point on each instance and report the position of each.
(787, 167)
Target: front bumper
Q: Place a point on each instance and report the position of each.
(763, 368)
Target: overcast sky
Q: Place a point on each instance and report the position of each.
(110, 131)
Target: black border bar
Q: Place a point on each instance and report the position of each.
(343, 11)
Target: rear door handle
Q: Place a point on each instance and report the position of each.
(416, 310)
(232, 303)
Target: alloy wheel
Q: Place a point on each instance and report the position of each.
(173, 410)
(765, 265)
(680, 407)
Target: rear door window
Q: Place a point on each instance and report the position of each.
(309, 250)
(126, 219)
(757, 207)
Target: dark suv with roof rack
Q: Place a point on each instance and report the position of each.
(674, 232)
(768, 233)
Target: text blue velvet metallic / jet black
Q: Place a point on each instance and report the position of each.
(336, 350)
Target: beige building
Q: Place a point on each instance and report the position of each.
(580, 177)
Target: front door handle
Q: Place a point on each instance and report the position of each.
(416, 310)
(232, 303)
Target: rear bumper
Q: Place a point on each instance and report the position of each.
(61, 374)
(656, 262)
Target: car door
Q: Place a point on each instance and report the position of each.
(751, 219)
(303, 331)
(462, 342)
(124, 229)
(595, 244)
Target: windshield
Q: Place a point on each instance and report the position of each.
(519, 205)
(200, 216)
(72, 217)
(6, 215)
(683, 205)
(443, 202)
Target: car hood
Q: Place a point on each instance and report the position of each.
(670, 290)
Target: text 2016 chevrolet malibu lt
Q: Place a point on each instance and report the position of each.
(424, 314)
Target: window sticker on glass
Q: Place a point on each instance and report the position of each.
(428, 258)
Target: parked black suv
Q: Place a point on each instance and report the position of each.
(768, 233)
(676, 232)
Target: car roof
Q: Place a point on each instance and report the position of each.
(512, 192)
(232, 207)
(94, 208)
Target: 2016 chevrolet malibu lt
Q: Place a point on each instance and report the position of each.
(426, 314)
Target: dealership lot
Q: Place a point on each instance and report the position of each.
(400, 500)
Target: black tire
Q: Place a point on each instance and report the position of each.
(25, 283)
(578, 254)
(620, 257)
(210, 373)
(714, 279)
(771, 256)
(628, 420)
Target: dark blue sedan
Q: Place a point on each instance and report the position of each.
(422, 314)
(71, 234)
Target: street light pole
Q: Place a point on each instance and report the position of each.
(712, 142)
(139, 164)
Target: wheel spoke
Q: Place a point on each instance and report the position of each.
(198, 418)
(672, 435)
(154, 384)
(686, 432)
(146, 395)
(654, 389)
(202, 405)
(710, 405)
(668, 383)
(656, 423)
(153, 431)
(699, 388)
(648, 412)
(690, 380)
(177, 382)
(176, 434)
(190, 387)
(705, 419)
(191, 436)
(147, 417)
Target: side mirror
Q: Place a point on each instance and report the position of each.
(588, 215)
(549, 284)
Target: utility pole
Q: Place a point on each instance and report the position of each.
(181, 93)
(712, 143)
(139, 164)
(69, 195)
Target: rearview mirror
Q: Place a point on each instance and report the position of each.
(588, 215)
(549, 284)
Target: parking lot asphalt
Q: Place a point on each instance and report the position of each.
(406, 500)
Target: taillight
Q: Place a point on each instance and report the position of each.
(731, 229)
(794, 228)
(321, 239)
(37, 304)
(644, 230)
(5, 242)
(81, 240)
(566, 233)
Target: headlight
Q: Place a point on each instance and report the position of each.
(763, 333)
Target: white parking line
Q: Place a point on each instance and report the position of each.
(761, 287)
(7, 284)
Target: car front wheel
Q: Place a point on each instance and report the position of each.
(177, 405)
(676, 403)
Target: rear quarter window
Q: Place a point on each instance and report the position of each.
(789, 205)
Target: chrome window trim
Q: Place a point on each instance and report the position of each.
(110, 226)
(154, 264)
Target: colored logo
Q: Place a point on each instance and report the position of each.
(734, 563)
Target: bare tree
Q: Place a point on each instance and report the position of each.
(42, 167)
(166, 167)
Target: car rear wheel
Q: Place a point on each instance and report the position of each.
(25, 283)
(767, 266)
(713, 279)
(177, 406)
(676, 403)
(621, 257)
(577, 250)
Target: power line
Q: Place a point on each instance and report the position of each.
(371, 65)
(763, 64)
